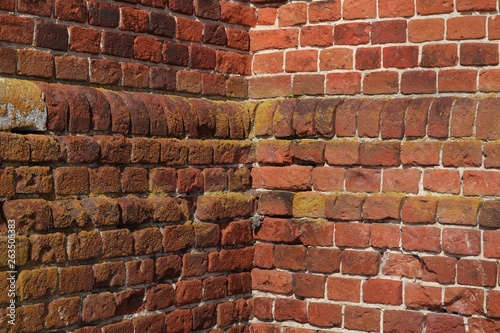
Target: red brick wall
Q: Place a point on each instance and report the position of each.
(198, 47)
(374, 47)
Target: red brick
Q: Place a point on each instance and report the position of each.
(444, 323)
(463, 116)
(344, 207)
(402, 265)
(48, 249)
(379, 153)
(458, 211)
(363, 180)
(229, 260)
(461, 241)
(98, 306)
(238, 39)
(135, 20)
(290, 309)
(393, 31)
(369, 118)
(385, 82)
(492, 303)
(266, 87)
(352, 33)
(292, 14)
(439, 269)
(487, 120)
(266, 16)
(425, 30)
(301, 61)
(16, 29)
(272, 280)
(473, 6)
(400, 56)
(9, 59)
(460, 27)
(478, 325)
(62, 312)
(356, 9)
(308, 285)
(492, 156)
(188, 292)
(418, 82)
(477, 272)
(214, 287)
(401, 180)
(368, 58)
(35, 63)
(109, 274)
(442, 181)
(489, 213)
(323, 260)
(39, 8)
(273, 39)
(70, 181)
(490, 239)
(117, 243)
(417, 238)
(7, 187)
(292, 257)
(345, 120)
(439, 55)
(396, 8)
(382, 291)
(298, 177)
(360, 262)
(425, 7)
(234, 13)
(420, 152)
(481, 183)
(358, 318)
(319, 35)
(324, 11)
(343, 83)
(110, 67)
(328, 179)
(324, 314)
(167, 267)
(75, 279)
(384, 236)
(422, 296)
(104, 14)
(344, 289)
(399, 321)
(308, 84)
(336, 58)
(189, 30)
(179, 321)
(74, 10)
(419, 210)
(382, 207)
(33, 180)
(494, 27)
(181, 7)
(268, 63)
(478, 54)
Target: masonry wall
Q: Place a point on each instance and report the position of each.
(368, 204)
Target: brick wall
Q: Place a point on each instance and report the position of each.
(198, 47)
(371, 47)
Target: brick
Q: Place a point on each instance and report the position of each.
(487, 120)
(401, 180)
(239, 284)
(477, 272)
(275, 203)
(102, 211)
(320, 35)
(485, 325)
(335, 58)
(419, 209)
(439, 269)
(37, 283)
(209, 9)
(39, 8)
(456, 27)
(418, 82)
(463, 116)
(297, 177)
(104, 14)
(139, 272)
(301, 61)
(396, 8)
(277, 230)
(351, 34)
(473, 6)
(32, 214)
(444, 323)
(109, 274)
(230, 260)
(462, 211)
(303, 119)
(110, 67)
(384, 236)
(134, 210)
(425, 7)
(368, 58)
(85, 40)
(114, 149)
(442, 181)
(416, 117)
(162, 24)
(48, 249)
(234, 13)
(266, 15)
(343, 83)
(488, 80)
(399, 321)
(178, 237)
(72, 68)
(360, 262)
(147, 49)
(439, 55)
(307, 152)
(84, 245)
(68, 213)
(16, 29)
(490, 239)
(324, 315)
(385, 82)
(35, 63)
(9, 57)
(268, 63)
(32, 322)
(351, 235)
(344, 289)
(98, 306)
(382, 207)
(328, 179)
(492, 302)
(203, 317)
(344, 207)
(322, 260)
(215, 34)
(167, 267)
(308, 84)
(125, 327)
(461, 241)
(478, 54)
(74, 10)
(7, 187)
(33, 180)
(135, 20)
(324, 11)
(179, 321)
(105, 180)
(379, 153)
(51, 35)
(422, 296)
(400, 56)
(359, 318)
(75, 279)
(291, 257)
(403, 265)
(62, 312)
(224, 206)
(355, 9)
(117, 243)
(292, 14)
(419, 238)
(480, 183)
(290, 309)
(420, 152)
(268, 87)
(189, 30)
(363, 180)
(345, 118)
(425, 30)
(71, 180)
(384, 32)
(134, 75)
(324, 117)
(489, 213)
(118, 44)
(382, 291)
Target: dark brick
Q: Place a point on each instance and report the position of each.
(103, 14)
(118, 44)
(175, 54)
(161, 24)
(214, 34)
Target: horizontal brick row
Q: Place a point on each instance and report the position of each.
(82, 109)
(331, 179)
(374, 118)
(351, 207)
(107, 305)
(38, 214)
(368, 319)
